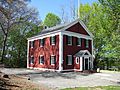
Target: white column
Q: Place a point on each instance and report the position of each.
(92, 55)
(81, 64)
(60, 51)
(28, 54)
(88, 63)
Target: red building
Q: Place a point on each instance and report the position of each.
(62, 48)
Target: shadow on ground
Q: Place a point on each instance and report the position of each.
(48, 74)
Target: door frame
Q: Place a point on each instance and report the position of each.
(85, 62)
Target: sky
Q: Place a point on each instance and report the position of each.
(54, 6)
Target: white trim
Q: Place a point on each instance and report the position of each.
(68, 33)
(92, 54)
(81, 64)
(27, 54)
(66, 27)
(43, 36)
(60, 51)
(81, 23)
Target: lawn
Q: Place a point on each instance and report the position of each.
(95, 88)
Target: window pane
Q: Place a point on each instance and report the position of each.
(53, 59)
(79, 41)
(41, 42)
(32, 43)
(69, 60)
(41, 60)
(69, 41)
(87, 43)
(32, 60)
(52, 40)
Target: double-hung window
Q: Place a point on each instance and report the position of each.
(52, 59)
(53, 40)
(32, 44)
(69, 60)
(87, 43)
(41, 59)
(79, 40)
(32, 60)
(41, 42)
(69, 40)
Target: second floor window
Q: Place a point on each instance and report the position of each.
(41, 59)
(52, 40)
(79, 41)
(87, 43)
(69, 40)
(41, 42)
(32, 44)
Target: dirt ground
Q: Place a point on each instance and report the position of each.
(18, 83)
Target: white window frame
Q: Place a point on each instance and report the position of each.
(77, 60)
(54, 60)
(87, 43)
(40, 59)
(69, 59)
(52, 39)
(79, 40)
(70, 40)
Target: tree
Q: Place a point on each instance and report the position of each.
(51, 20)
(101, 21)
(13, 15)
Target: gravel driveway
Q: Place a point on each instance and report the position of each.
(67, 80)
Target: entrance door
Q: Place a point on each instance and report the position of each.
(86, 64)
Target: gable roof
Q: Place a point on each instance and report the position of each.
(63, 27)
(82, 53)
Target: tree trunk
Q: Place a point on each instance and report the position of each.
(3, 49)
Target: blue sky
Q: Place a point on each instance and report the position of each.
(54, 6)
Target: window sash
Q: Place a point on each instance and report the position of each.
(32, 60)
(69, 41)
(41, 42)
(69, 57)
(52, 40)
(41, 60)
(79, 41)
(87, 43)
(52, 60)
(32, 44)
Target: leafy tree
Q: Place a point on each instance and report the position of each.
(51, 20)
(16, 19)
(100, 19)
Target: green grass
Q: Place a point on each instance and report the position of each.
(95, 88)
